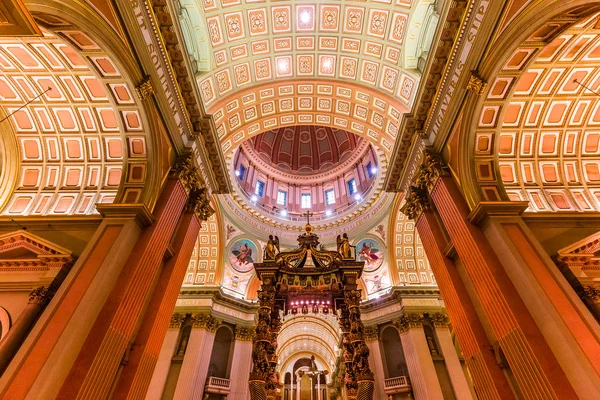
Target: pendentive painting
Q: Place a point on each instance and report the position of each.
(372, 252)
(242, 255)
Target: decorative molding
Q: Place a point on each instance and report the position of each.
(139, 212)
(16, 20)
(476, 84)
(432, 168)
(205, 321)
(414, 122)
(486, 209)
(203, 127)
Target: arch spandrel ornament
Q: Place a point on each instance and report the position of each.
(310, 276)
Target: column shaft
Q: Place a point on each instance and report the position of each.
(47, 355)
(93, 374)
(376, 361)
(18, 332)
(240, 370)
(163, 364)
(192, 378)
(423, 378)
(462, 391)
(136, 375)
(488, 379)
(534, 366)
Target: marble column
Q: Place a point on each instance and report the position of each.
(462, 391)
(488, 378)
(38, 300)
(194, 369)
(46, 357)
(95, 369)
(375, 359)
(163, 364)
(241, 364)
(423, 378)
(136, 375)
(535, 368)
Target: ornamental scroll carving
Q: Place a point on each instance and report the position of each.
(416, 203)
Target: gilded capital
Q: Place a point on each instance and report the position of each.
(407, 321)
(371, 333)
(145, 88)
(41, 295)
(199, 320)
(199, 203)
(176, 320)
(244, 334)
(416, 203)
(439, 320)
(592, 294)
(430, 171)
(212, 324)
(187, 173)
(476, 84)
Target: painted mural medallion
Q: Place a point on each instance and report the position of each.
(371, 251)
(242, 255)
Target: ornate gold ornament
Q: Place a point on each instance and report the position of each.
(41, 295)
(176, 320)
(188, 175)
(145, 88)
(432, 168)
(416, 203)
(244, 334)
(407, 321)
(371, 333)
(199, 203)
(439, 320)
(476, 84)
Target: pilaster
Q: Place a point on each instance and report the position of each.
(532, 362)
(423, 378)
(241, 363)
(375, 359)
(194, 369)
(462, 391)
(163, 363)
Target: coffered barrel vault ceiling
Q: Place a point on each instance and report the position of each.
(353, 64)
(82, 140)
(539, 130)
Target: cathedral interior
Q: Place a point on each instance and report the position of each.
(300, 200)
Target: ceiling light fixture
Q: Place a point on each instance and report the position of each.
(357, 197)
(283, 66)
(237, 173)
(305, 17)
(254, 198)
(328, 212)
(373, 170)
(327, 63)
(283, 213)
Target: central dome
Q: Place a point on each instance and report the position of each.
(304, 149)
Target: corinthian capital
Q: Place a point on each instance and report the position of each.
(430, 171)
(187, 173)
(371, 333)
(407, 321)
(439, 320)
(40, 295)
(199, 203)
(176, 320)
(244, 334)
(416, 203)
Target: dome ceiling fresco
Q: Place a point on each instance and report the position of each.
(305, 149)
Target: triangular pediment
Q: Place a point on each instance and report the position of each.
(23, 245)
(586, 247)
